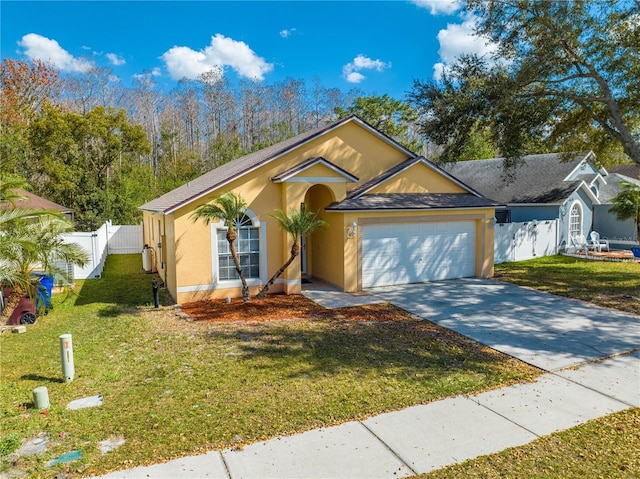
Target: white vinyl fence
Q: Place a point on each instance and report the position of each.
(108, 239)
(520, 241)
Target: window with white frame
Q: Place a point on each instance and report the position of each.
(575, 221)
(247, 246)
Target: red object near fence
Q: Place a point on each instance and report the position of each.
(25, 312)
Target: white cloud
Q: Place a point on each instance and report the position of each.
(361, 62)
(439, 7)
(438, 70)
(287, 32)
(354, 77)
(458, 39)
(222, 52)
(184, 62)
(115, 60)
(351, 71)
(48, 50)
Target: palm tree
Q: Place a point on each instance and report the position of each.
(297, 224)
(8, 187)
(9, 214)
(30, 240)
(226, 208)
(626, 204)
(32, 244)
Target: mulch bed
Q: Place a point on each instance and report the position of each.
(285, 307)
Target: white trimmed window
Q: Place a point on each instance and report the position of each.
(248, 249)
(575, 221)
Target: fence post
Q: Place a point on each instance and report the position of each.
(108, 233)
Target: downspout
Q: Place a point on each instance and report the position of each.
(163, 237)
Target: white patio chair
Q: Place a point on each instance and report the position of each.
(579, 242)
(597, 243)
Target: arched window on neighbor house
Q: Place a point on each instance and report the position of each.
(575, 221)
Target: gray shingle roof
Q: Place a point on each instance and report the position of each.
(413, 201)
(538, 179)
(614, 186)
(632, 171)
(34, 201)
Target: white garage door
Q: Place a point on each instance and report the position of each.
(417, 252)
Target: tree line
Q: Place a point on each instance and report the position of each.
(563, 78)
(103, 149)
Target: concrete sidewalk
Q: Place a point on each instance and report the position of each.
(422, 438)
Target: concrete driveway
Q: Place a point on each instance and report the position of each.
(541, 329)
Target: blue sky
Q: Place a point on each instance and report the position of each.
(377, 46)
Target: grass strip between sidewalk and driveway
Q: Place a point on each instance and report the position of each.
(173, 387)
(606, 283)
(606, 447)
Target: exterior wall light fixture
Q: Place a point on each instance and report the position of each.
(352, 229)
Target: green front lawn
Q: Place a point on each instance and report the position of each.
(173, 387)
(607, 447)
(605, 283)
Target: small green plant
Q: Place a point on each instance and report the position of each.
(9, 443)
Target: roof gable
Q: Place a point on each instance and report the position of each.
(399, 180)
(315, 170)
(224, 174)
(584, 167)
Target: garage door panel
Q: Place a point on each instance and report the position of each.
(417, 252)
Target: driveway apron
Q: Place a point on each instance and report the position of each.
(546, 331)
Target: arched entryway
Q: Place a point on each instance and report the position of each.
(318, 258)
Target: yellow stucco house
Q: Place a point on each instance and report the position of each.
(392, 218)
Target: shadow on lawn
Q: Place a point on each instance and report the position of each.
(409, 350)
(39, 378)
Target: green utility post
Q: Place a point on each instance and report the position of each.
(66, 355)
(41, 398)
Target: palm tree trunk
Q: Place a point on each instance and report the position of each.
(295, 251)
(231, 238)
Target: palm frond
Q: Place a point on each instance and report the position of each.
(226, 208)
(298, 223)
(8, 185)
